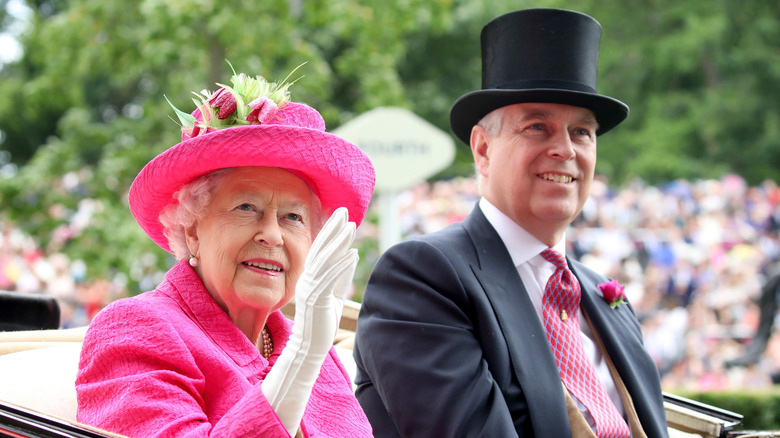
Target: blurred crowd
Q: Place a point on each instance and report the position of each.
(693, 257)
(28, 269)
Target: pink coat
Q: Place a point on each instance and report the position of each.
(171, 363)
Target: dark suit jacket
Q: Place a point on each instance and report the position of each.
(448, 343)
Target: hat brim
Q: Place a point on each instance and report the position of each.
(470, 108)
(338, 171)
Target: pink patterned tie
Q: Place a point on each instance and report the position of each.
(560, 305)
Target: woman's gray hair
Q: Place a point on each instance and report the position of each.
(193, 203)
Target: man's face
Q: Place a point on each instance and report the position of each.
(539, 167)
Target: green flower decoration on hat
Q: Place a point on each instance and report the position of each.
(249, 101)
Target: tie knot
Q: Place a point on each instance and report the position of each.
(555, 258)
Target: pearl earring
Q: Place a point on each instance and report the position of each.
(193, 261)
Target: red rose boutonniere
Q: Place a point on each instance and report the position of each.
(612, 291)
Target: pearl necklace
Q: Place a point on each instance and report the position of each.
(268, 343)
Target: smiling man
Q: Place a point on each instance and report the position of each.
(486, 329)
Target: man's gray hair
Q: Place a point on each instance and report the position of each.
(491, 123)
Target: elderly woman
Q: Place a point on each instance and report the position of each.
(259, 205)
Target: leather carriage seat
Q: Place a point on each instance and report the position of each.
(38, 370)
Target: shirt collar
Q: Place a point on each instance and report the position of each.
(522, 246)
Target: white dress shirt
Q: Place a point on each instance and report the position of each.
(534, 270)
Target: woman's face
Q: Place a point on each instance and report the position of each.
(253, 240)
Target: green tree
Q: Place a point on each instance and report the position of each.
(700, 78)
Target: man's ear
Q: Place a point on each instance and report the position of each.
(480, 149)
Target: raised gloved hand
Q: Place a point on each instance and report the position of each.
(319, 301)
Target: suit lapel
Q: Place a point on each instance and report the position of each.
(621, 337)
(612, 325)
(628, 402)
(532, 360)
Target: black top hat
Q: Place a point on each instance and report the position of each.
(538, 55)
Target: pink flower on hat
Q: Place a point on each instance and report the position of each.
(200, 127)
(612, 291)
(263, 110)
(224, 101)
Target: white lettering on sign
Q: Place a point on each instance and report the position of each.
(409, 147)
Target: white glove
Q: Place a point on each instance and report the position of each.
(319, 301)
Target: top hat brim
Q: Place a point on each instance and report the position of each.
(470, 108)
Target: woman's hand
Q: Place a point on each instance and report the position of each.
(319, 301)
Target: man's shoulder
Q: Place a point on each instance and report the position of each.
(454, 233)
(446, 240)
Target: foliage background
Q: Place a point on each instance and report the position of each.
(82, 110)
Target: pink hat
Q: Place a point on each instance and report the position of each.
(269, 131)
